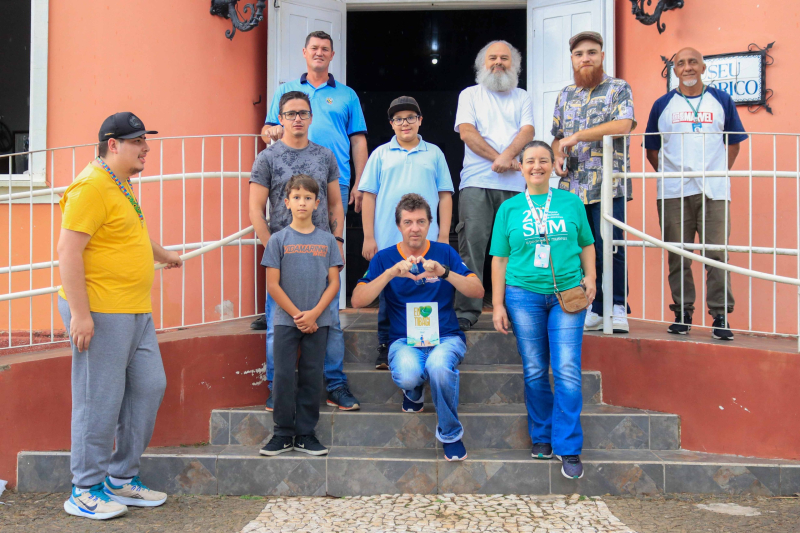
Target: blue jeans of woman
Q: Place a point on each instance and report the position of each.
(412, 367)
(547, 337)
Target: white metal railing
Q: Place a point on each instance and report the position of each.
(782, 205)
(191, 194)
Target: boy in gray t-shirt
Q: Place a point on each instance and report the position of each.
(303, 278)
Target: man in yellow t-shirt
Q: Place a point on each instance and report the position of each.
(106, 263)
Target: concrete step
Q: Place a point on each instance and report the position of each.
(484, 346)
(352, 471)
(481, 384)
(504, 426)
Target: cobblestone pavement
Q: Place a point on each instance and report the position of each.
(45, 513)
(377, 514)
(678, 513)
(663, 514)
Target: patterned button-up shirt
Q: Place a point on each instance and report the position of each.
(579, 109)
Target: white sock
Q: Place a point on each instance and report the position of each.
(119, 481)
(79, 491)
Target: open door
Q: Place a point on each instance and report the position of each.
(288, 24)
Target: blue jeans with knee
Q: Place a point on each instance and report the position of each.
(412, 367)
(334, 352)
(547, 337)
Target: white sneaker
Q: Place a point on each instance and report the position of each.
(134, 493)
(593, 322)
(620, 320)
(94, 504)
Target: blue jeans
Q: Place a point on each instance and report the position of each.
(594, 214)
(549, 337)
(334, 352)
(345, 190)
(412, 367)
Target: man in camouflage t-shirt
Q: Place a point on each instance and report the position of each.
(594, 106)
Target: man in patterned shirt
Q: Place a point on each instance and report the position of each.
(594, 106)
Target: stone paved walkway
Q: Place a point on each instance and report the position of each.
(378, 514)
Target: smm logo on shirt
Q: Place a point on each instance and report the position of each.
(706, 117)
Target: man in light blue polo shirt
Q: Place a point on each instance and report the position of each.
(339, 123)
(404, 165)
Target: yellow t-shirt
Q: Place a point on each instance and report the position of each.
(118, 261)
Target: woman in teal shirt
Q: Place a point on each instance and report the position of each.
(524, 296)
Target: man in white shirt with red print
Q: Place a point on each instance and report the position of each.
(692, 110)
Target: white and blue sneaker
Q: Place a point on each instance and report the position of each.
(454, 451)
(93, 503)
(410, 406)
(134, 493)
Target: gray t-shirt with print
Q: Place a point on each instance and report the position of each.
(276, 164)
(304, 260)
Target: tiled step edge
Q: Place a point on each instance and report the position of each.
(493, 427)
(237, 470)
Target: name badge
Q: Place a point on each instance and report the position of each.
(542, 258)
(422, 324)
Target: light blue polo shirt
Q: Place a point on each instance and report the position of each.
(337, 115)
(393, 171)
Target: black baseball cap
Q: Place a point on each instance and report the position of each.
(403, 103)
(123, 125)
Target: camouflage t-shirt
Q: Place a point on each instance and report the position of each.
(276, 164)
(579, 109)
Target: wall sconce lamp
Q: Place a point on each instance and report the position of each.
(227, 10)
(661, 7)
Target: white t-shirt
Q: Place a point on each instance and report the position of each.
(498, 117)
(672, 114)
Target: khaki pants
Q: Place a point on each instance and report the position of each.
(681, 268)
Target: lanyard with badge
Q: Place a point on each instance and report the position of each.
(542, 253)
(696, 123)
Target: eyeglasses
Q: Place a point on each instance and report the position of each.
(291, 115)
(399, 121)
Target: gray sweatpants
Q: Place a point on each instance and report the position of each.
(117, 387)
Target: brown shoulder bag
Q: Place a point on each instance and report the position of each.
(572, 300)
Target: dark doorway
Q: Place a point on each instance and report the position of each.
(392, 53)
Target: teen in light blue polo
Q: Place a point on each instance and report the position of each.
(337, 117)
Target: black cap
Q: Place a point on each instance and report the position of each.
(403, 103)
(123, 125)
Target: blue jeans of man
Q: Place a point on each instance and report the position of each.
(547, 337)
(594, 214)
(383, 321)
(334, 352)
(412, 367)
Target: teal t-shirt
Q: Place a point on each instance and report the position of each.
(514, 236)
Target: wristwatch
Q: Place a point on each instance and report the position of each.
(446, 272)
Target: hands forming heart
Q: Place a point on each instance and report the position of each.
(409, 268)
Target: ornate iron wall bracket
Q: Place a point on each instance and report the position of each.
(227, 9)
(655, 18)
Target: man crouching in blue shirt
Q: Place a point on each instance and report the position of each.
(419, 279)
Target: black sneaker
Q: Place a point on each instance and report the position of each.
(259, 323)
(465, 324)
(278, 445)
(679, 328)
(343, 399)
(382, 362)
(310, 445)
(720, 330)
(410, 406)
(542, 450)
(571, 466)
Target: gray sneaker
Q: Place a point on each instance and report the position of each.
(571, 466)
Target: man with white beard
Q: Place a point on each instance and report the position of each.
(495, 120)
(594, 106)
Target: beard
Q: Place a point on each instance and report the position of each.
(690, 83)
(500, 81)
(588, 78)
